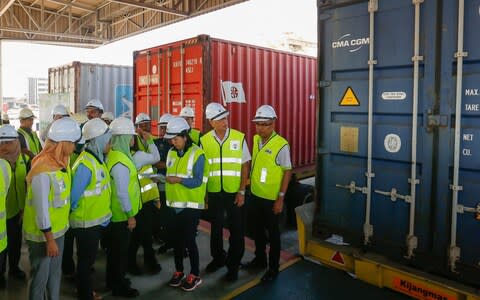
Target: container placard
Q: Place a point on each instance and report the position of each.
(349, 139)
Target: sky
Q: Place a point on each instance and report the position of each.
(258, 22)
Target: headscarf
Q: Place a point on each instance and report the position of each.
(97, 145)
(122, 143)
(54, 156)
(10, 151)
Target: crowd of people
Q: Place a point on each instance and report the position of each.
(109, 183)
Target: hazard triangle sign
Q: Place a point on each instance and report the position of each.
(349, 98)
(338, 258)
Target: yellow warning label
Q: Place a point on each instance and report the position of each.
(349, 98)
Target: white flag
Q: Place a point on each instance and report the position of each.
(232, 92)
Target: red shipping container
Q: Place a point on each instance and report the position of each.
(201, 70)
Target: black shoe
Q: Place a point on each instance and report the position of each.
(214, 265)
(177, 279)
(231, 276)
(134, 270)
(126, 292)
(269, 275)
(17, 274)
(256, 263)
(154, 268)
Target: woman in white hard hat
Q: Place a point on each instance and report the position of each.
(5, 172)
(187, 175)
(20, 165)
(47, 208)
(125, 202)
(91, 199)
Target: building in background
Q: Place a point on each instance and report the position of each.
(36, 87)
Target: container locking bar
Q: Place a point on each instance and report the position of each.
(352, 187)
(394, 195)
(463, 209)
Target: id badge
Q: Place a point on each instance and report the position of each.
(263, 175)
(234, 145)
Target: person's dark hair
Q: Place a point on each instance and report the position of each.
(188, 142)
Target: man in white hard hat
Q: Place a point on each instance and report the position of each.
(59, 111)
(94, 109)
(188, 114)
(227, 152)
(20, 165)
(29, 142)
(269, 178)
(107, 117)
(165, 214)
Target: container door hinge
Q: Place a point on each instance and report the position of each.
(436, 121)
(352, 187)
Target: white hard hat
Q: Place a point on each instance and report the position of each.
(65, 130)
(59, 110)
(94, 103)
(142, 118)
(8, 133)
(215, 111)
(164, 119)
(265, 113)
(122, 125)
(5, 117)
(26, 113)
(176, 126)
(187, 112)
(107, 116)
(94, 128)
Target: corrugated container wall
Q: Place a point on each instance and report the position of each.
(111, 84)
(398, 172)
(240, 76)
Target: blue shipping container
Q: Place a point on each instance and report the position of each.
(388, 66)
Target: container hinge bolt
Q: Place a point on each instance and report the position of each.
(371, 175)
(417, 181)
(368, 232)
(456, 187)
(454, 256)
(417, 58)
(372, 62)
(461, 54)
(412, 243)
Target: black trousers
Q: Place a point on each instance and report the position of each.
(162, 218)
(87, 246)
(184, 227)
(143, 235)
(117, 239)
(264, 218)
(218, 204)
(3, 260)
(68, 264)
(14, 246)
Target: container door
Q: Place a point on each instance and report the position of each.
(377, 82)
(185, 80)
(458, 189)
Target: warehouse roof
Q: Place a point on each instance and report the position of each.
(92, 23)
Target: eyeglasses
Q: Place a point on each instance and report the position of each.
(264, 124)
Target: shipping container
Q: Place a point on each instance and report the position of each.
(200, 70)
(397, 172)
(81, 82)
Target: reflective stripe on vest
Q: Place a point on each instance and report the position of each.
(6, 171)
(182, 204)
(88, 224)
(3, 234)
(41, 238)
(2, 214)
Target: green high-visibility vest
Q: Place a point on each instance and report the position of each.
(148, 189)
(58, 207)
(32, 141)
(266, 175)
(178, 195)
(6, 174)
(195, 136)
(94, 204)
(225, 161)
(17, 191)
(118, 215)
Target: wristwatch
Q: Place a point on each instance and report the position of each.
(242, 192)
(281, 194)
